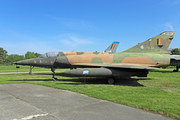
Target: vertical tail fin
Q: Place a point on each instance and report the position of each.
(112, 48)
(158, 43)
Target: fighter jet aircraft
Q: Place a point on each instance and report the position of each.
(136, 61)
(47, 60)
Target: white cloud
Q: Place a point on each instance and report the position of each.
(77, 24)
(74, 41)
(17, 43)
(22, 47)
(168, 26)
(73, 23)
(80, 40)
(170, 2)
(176, 2)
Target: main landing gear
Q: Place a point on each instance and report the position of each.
(111, 80)
(177, 69)
(53, 70)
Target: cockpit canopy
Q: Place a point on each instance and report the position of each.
(49, 54)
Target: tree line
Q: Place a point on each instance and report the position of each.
(175, 51)
(5, 58)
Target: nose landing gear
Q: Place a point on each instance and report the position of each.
(53, 70)
(30, 71)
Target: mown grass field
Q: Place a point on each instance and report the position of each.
(12, 68)
(159, 92)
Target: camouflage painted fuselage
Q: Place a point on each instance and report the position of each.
(136, 61)
(106, 59)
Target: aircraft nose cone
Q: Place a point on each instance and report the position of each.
(15, 63)
(24, 62)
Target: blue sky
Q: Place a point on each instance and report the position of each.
(84, 25)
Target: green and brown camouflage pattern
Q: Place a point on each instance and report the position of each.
(145, 56)
(150, 55)
(152, 45)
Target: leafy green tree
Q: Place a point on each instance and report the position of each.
(37, 54)
(3, 55)
(175, 51)
(179, 51)
(14, 57)
(29, 55)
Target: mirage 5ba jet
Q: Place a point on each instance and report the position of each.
(48, 60)
(136, 61)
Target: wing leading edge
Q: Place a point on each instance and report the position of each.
(122, 66)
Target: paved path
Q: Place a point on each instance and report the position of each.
(28, 101)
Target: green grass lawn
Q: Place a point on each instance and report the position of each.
(159, 92)
(12, 68)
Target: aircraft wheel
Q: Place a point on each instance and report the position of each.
(175, 70)
(111, 81)
(55, 79)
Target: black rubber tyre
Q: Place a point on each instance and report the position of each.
(111, 81)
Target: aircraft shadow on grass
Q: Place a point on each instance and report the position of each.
(163, 71)
(90, 80)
